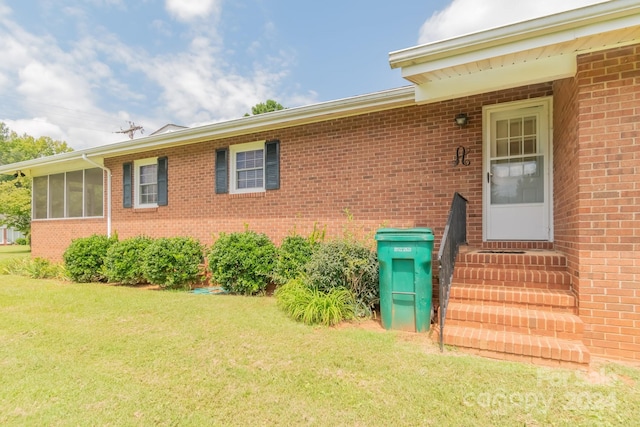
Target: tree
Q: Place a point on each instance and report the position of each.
(15, 191)
(265, 107)
(15, 204)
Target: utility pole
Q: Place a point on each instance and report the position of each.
(133, 128)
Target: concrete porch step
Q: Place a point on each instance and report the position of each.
(516, 346)
(560, 300)
(515, 319)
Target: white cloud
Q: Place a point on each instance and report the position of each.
(36, 127)
(189, 10)
(83, 90)
(468, 16)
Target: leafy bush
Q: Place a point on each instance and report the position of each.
(293, 255)
(350, 265)
(123, 263)
(84, 258)
(242, 262)
(21, 241)
(173, 262)
(36, 268)
(309, 305)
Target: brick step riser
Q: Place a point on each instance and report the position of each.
(534, 352)
(503, 266)
(546, 262)
(530, 276)
(514, 297)
(510, 284)
(521, 329)
(566, 309)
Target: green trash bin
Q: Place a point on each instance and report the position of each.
(405, 278)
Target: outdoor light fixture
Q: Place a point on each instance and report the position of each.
(462, 119)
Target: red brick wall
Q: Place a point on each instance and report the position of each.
(565, 172)
(609, 200)
(49, 239)
(392, 168)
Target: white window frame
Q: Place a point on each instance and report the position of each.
(137, 164)
(233, 176)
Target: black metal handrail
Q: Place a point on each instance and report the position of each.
(455, 234)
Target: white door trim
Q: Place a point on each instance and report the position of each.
(547, 104)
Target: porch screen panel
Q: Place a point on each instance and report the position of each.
(74, 194)
(93, 192)
(56, 196)
(40, 196)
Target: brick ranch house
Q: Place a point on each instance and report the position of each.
(548, 162)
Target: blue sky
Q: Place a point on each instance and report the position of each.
(79, 70)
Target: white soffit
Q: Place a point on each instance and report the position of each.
(530, 52)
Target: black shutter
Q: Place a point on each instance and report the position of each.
(126, 184)
(272, 165)
(162, 181)
(222, 177)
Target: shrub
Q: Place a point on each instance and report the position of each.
(307, 304)
(350, 265)
(21, 241)
(242, 262)
(123, 263)
(173, 262)
(84, 258)
(293, 255)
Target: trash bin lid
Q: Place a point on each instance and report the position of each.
(405, 234)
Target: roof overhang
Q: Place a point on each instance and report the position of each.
(535, 51)
(314, 113)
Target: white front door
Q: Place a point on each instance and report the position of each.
(517, 171)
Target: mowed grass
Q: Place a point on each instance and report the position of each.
(13, 251)
(91, 354)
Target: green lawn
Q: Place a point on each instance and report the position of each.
(13, 251)
(103, 355)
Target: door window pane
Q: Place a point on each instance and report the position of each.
(530, 146)
(530, 126)
(515, 128)
(514, 147)
(517, 181)
(502, 129)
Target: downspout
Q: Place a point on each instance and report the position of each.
(106, 169)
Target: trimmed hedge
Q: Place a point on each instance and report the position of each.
(173, 262)
(242, 263)
(84, 258)
(293, 254)
(124, 261)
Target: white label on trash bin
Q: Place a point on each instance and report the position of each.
(402, 249)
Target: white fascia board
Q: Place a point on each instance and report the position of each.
(564, 26)
(378, 101)
(47, 165)
(538, 71)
